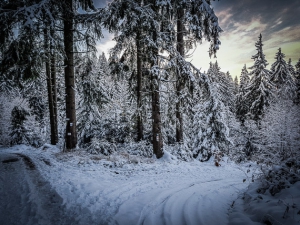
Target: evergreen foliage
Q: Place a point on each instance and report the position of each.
(258, 91)
(241, 101)
(210, 130)
(297, 81)
(92, 97)
(281, 76)
(22, 132)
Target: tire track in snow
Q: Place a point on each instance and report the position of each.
(195, 203)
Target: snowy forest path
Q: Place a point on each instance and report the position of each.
(25, 196)
(185, 203)
(93, 191)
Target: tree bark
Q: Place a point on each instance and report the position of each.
(179, 83)
(49, 89)
(54, 89)
(71, 133)
(156, 118)
(139, 90)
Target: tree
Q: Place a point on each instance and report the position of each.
(20, 131)
(180, 79)
(244, 78)
(279, 134)
(195, 20)
(241, 101)
(281, 76)
(43, 15)
(224, 82)
(297, 81)
(92, 98)
(258, 90)
(36, 24)
(236, 86)
(131, 21)
(210, 128)
(291, 67)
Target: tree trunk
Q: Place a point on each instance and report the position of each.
(179, 83)
(54, 88)
(71, 134)
(139, 90)
(156, 118)
(50, 90)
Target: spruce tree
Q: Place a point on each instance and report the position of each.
(211, 133)
(258, 90)
(297, 81)
(44, 15)
(236, 86)
(92, 98)
(244, 78)
(241, 101)
(281, 76)
(225, 84)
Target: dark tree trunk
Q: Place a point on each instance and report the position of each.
(71, 134)
(179, 83)
(54, 89)
(53, 123)
(139, 90)
(156, 118)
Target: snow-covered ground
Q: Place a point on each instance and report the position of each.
(124, 189)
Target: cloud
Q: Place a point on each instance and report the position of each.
(243, 21)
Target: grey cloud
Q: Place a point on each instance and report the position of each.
(269, 11)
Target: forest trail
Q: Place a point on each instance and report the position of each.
(43, 186)
(25, 196)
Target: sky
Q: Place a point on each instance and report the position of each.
(242, 21)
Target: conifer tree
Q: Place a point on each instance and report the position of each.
(44, 15)
(291, 68)
(195, 20)
(225, 84)
(258, 90)
(244, 78)
(92, 98)
(297, 81)
(211, 133)
(241, 101)
(281, 76)
(236, 86)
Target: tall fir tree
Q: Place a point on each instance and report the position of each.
(258, 91)
(297, 81)
(281, 76)
(211, 133)
(225, 84)
(241, 102)
(44, 15)
(236, 86)
(92, 98)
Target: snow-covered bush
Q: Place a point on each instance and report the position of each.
(279, 177)
(142, 148)
(21, 128)
(18, 126)
(181, 151)
(115, 131)
(101, 147)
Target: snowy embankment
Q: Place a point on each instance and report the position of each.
(129, 190)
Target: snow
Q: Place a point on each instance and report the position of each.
(126, 189)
